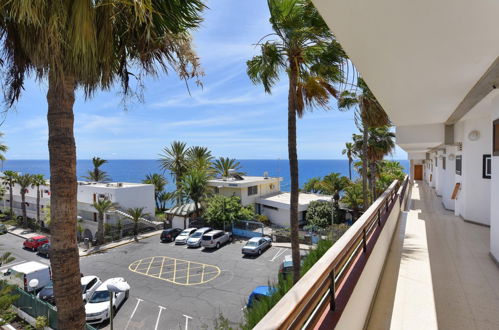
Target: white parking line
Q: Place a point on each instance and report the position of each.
(134, 310)
(278, 254)
(159, 315)
(187, 318)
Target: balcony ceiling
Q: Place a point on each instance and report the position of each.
(420, 58)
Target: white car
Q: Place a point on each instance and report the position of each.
(97, 307)
(89, 284)
(195, 239)
(184, 235)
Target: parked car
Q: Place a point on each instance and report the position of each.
(169, 235)
(89, 284)
(215, 238)
(259, 293)
(44, 250)
(256, 245)
(286, 266)
(35, 242)
(47, 293)
(97, 307)
(184, 235)
(3, 228)
(22, 274)
(195, 239)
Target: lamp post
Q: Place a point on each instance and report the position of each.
(115, 288)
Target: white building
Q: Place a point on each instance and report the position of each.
(276, 207)
(264, 193)
(125, 195)
(247, 188)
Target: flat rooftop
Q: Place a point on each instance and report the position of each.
(283, 200)
(246, 181)
(111, 184)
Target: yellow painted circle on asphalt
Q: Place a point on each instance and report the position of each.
(177, 271)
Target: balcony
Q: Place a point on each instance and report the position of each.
(436, 272)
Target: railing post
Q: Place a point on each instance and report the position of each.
(332, 291)
(386, 204)
(379, 217)
(364, 243)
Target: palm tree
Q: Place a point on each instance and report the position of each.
(3, 149)
(381, 143)
(303, 47)
(159, 182)
(225, 166)
(195, 187)
(136, 213)
(199, 158)
(174, 160)
(9, 179)
(38, 180)
(312, 185)
(352, 198)
(164, 197)
(97, 175)
(102, 206)
(91, 45)
(333, 184)
(24, 181)
(369, 113)
(349, 152)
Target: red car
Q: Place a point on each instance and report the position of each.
(35, 242)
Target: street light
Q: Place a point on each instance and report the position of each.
(115, 288)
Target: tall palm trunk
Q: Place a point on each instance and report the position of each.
(38, 204)
(100, 229)
(23, 208)
(364, 163)
(64, 251)
(350, 168)
(10, 200)
(293, 169)
(373, 180)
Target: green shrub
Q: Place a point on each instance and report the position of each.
(260, 308)
(41, 322)
(263, 219)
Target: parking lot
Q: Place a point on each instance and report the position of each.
(175, 287)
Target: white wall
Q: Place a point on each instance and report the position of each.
(448, 177)
(494, 192)
(278, 217)
(473, 201)
(439, 172)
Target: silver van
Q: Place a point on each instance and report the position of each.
(215, 238)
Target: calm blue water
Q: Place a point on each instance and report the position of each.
(135, 170)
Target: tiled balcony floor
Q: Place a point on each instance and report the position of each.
(438, 274)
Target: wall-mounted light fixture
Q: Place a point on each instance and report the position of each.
(474, 135)
(452, 157)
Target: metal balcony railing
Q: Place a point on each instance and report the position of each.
(318, 299)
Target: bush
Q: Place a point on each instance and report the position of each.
(263, 219)
(41, 322)
(319, 214)
(260, 308)
(222, 210)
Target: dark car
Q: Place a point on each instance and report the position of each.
(44, 250)
(47, 294)
(169, 235)
(34, 243)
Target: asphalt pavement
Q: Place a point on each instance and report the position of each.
(174, 287)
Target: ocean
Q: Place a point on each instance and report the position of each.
(135, 170)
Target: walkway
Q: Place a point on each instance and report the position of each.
(438, 274)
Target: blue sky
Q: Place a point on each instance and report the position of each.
(229, 115)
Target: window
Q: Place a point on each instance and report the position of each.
(436, 161)
(495, 142)
(270, 207)
(487, 167)
(443, 163)
(253, 190)
(459, 162)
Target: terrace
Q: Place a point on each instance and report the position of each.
(423, 268)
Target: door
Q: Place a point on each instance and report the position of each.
(418, 172)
